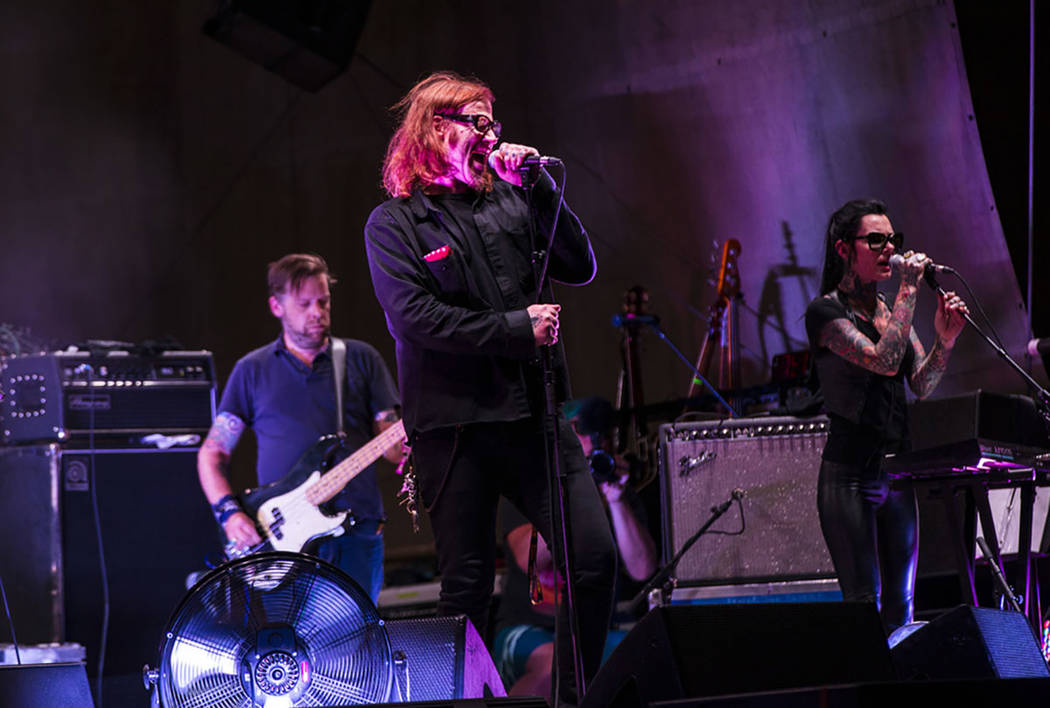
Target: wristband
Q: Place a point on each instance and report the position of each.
(225, 508)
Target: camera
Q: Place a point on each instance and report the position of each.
(603, 466)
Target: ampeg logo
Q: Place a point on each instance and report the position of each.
(76, 476)
(89, 401)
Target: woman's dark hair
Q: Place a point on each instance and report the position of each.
(843, 226)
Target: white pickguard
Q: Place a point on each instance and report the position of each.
(296, 520)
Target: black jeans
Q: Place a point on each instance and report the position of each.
(463, 471)
(872, 534)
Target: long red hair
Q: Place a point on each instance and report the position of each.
(416, 155)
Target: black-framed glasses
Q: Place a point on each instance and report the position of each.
(877, 241)
(481, 123)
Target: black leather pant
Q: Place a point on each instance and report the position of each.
(873, 536)
(462, 473)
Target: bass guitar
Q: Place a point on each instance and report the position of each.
(289, 513)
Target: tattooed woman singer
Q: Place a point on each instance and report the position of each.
(865, 347)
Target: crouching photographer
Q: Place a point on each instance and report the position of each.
(523, 644)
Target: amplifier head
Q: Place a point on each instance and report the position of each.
(774, 462)
(57, 396)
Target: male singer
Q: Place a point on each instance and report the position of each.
(451, 263)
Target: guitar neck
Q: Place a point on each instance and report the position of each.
(336, 478)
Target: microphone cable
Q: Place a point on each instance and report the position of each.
(103, 637)
(10, 622)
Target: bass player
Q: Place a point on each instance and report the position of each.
(285, 392)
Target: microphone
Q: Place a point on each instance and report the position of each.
(528, 162)
(738, 493)
(1039, 347)
(897, 260)
(619, 320)
(539, 160)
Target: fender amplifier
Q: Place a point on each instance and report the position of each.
(67, 396)
(771, 532)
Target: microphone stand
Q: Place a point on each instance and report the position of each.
(694, 369)
(557, 481)
(997, 574)
(1042, 396)
(663, 577)
(1042, 402)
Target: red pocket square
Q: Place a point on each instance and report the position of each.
(437, 254)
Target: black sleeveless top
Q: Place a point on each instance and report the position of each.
(868, 411)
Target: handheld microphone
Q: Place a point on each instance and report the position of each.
(897, 260)
(540, 160)
(528, 162)
(620, 319)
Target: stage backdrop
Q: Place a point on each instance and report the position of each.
(150, 174)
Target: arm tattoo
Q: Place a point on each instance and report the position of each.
(928, 373)
(225, 431)
(843, 338)
(388, 416)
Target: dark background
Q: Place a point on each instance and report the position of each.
(151, 173)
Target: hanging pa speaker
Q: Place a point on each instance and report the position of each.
(308, 42)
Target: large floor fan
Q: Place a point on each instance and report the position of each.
(274, 630)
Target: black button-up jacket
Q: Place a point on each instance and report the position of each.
(465, 346)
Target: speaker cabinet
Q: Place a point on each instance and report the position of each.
(31, 556)
(774, 462)
(971, 643)
(45, 685)
(308, 42)
(156, 528)
(709, 650)
(441, 658)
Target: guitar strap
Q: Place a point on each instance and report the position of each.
(338, 375)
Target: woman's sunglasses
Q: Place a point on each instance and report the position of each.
(877, 241)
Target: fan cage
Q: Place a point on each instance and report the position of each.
(222, 630)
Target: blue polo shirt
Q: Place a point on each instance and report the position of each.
(289, 406)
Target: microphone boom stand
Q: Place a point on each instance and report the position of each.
(1042, 396)
(694, 369)
(1042, 402)
(663, 576)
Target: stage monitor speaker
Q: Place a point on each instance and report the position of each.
(444, 657)
(27, 685)
(964, 692)
(775, 463)
(508, 702)
(31, 557)
(156, 528)
(709, 650)
(308, 42)
(971, 643)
